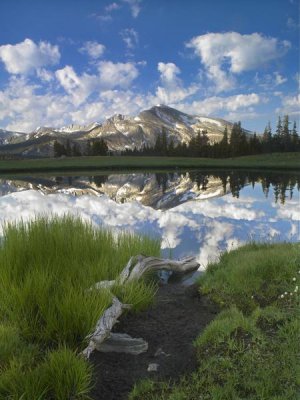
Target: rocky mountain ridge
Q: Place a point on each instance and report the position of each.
(119, 131)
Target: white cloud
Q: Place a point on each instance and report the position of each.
(25, 108)
(93, 49)
(86, 98)
(269, 81)
(110, 75)
(290, 105)
(169, 72)
(117, 74)
(45, 75)
(112, 7)
(172, 89)
(27, 56)
(279, 79)
(226, 54)
(135, 7)
(79, 87)
(130, 37)
(217, 104)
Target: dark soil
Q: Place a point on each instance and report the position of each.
(169, 326)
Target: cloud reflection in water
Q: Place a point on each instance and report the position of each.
(202, 228)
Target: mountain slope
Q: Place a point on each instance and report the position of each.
(119, 132)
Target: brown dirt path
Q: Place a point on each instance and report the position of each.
(171, 324)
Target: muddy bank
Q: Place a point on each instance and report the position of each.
(169, 326)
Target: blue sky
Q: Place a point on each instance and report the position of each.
(80, 61)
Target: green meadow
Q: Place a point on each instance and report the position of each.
(275, 161)
(251, 349)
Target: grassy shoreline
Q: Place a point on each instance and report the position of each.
(275, 161)
(58, 259)
(251, 349)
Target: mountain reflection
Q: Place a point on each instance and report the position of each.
(161, 190)
(200, 213)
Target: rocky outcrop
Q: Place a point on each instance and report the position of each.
(119, 131)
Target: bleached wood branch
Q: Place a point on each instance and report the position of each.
(134, 270)
(146, 264)
(123, 343)
(104, 326)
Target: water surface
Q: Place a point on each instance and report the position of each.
(199, 213)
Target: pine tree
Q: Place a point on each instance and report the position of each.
(171, 147)
(295, 138)
(68, 149)
(224, 148)
(238, 141)
(59, 149)
(88, 150)
(157, 146)
(267, 139)
(286, 136)
(279, 127)
(76, 150)
(99, 148)
(277, 139)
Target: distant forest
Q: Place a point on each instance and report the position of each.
(237, 143)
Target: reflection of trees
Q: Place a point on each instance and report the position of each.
(283, 184)
(200, 179)
(162, 180)
(99, 179)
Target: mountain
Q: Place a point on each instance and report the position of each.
(119, 131)
(8, 137)
(159, 191)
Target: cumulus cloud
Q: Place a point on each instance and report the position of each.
(290, 105)
(117, 74)
(135, 7)
(227, 54)
(172, 90)
(216, 104)
(79, 87)
(110, 75)
(130, 38)
(26, 108)
(84, 98)
(27, 56)
(92, 49)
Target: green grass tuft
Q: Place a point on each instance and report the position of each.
(251, 350)
(253, 275)
(46, 269)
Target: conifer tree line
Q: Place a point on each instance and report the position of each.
(93, 148)
(234, 143)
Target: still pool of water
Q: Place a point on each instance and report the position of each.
(200, 213)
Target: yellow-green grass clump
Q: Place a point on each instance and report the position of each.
(46, 269)
(251, 350)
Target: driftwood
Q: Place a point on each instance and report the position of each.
(137, 266)
(104, 326)
(102, 339)
(123, 343)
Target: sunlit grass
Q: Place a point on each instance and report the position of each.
(251, 349)
(275, 161)
(46, 269)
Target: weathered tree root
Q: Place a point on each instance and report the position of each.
(102, 339)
